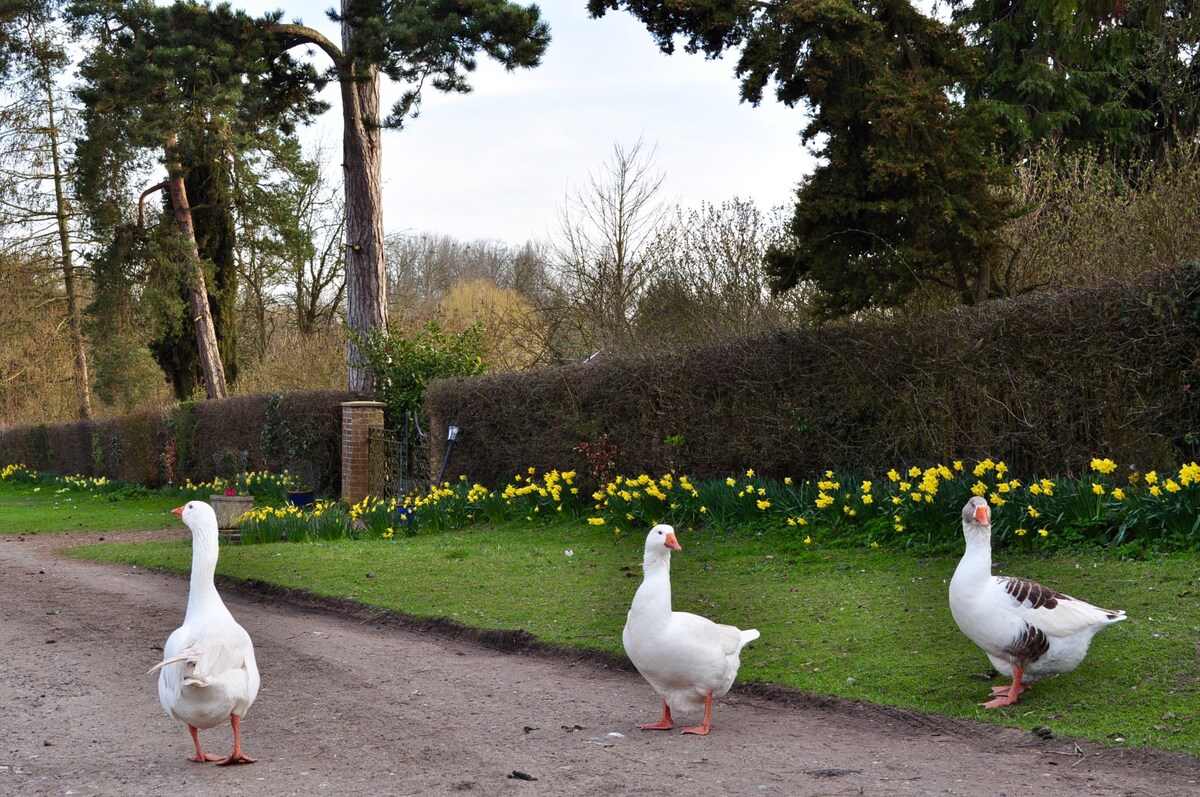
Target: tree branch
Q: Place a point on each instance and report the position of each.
(142, 201)
(294, 35)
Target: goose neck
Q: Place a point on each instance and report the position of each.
(202, 591)
(977, 559)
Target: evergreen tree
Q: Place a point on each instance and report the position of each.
(906, 192)
(174, 346)
(1116, 76)
(167, 83)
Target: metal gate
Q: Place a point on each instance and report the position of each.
(398, 460)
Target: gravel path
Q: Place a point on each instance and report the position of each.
(361, 704)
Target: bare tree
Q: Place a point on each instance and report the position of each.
(709, 282)
(604, 251)
(290, 251)
(37, 199)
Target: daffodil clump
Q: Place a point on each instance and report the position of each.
(382, 518)
(327, 520)
(265, 486)
(92, 485)
(18, 474)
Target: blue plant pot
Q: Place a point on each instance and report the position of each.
(301, 498)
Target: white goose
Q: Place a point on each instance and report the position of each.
(688, 659)
(208, 674)
(1029, 631)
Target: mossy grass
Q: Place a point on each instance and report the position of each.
(864, 624)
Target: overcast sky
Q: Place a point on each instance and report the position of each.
(497, 163)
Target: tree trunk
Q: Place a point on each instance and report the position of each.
(83, 396)
(206, 335)
(363, 163)
(366, 278)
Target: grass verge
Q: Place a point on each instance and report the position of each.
(867, 624)
(24, 509)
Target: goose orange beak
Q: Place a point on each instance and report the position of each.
(983, 514)
(177, 511)
(672, 543)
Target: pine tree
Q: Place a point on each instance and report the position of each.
(166, 83)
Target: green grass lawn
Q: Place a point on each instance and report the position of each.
(865, 624)
(24, 509)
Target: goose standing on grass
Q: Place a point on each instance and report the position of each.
(208, 674)
(688, 659)
(1029, 631)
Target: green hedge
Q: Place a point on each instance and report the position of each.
(297, 431)
(1045, 382)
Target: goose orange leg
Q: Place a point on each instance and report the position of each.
(1001, 691)
(237, 756)
(664, 724)
(705, 724)
(200, 757)
(1010, 694)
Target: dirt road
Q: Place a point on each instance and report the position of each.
(364, 705)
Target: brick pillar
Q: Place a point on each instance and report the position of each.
(358, 417)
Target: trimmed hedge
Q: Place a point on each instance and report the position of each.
(1044, 382)
(298, 431)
